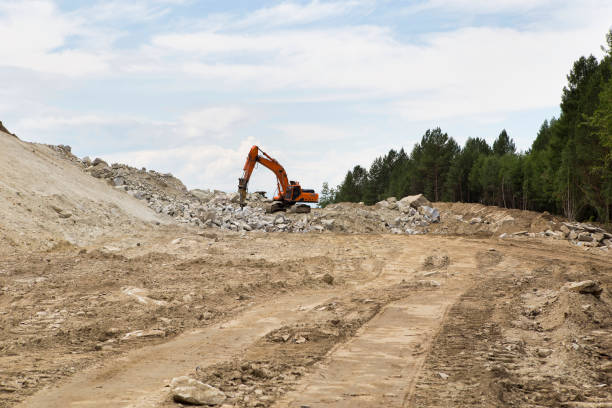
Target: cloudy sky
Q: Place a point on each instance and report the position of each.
(187, 86)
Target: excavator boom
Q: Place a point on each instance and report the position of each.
(289, 192)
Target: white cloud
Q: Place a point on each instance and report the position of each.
(300, 133)
(58, 122)
(275, 58)
(62, 121)
(291, 13)
(116, 11)
(38, 36)
(460, 72)
(499, 70)
(199, 166)
(480, 6)
(208, 123)
(212, 122)
(33, 33)
(218, 167)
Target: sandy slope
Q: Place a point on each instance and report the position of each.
(45, 200)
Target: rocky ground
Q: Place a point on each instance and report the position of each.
(120, 287)
(409, 215)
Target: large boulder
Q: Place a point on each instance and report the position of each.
(97, 161)
(204, 195)
(100, 170)
(584, 287)
(414, 201)
(190, 391)
(382, 204)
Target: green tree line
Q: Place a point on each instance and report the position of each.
(567, 170)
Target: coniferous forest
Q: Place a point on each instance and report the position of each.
(567, 170)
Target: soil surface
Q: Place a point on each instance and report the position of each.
(133, 299)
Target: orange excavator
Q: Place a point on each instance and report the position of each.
(289, 192)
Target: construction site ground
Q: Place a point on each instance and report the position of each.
(278, 319)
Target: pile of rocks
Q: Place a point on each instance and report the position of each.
(584, 234)
(580, 234)
(412, 212)
(166, 194)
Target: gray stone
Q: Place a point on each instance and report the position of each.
(328, 223)
(138, 195)
(432, 213)
(97, 161)
(414, 201)
(100, 170)
(234, 197)
(203, 195)
(544, 352)
(383, 204)
(591, 228)
(584, 287)
(190, 391)
(585, 237)
(118, 181)
(565, 230)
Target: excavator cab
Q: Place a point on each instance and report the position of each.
(293, 191)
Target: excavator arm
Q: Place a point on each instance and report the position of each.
(267, 161)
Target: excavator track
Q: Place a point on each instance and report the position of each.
(302, 209)
(276, 206)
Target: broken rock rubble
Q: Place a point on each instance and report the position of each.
(166, 194)
(580, 234)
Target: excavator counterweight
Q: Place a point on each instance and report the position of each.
(289, 192)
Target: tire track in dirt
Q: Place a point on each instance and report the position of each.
(138, 379)
(395, 341)
(378, 366)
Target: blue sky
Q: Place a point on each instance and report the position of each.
(187, 86)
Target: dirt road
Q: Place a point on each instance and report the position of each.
(364, 340)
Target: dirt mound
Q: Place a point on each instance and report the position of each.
(478, 219)
(46, 200)
(524, 339)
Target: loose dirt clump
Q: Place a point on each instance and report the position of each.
(522, 341)
(275, 363)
